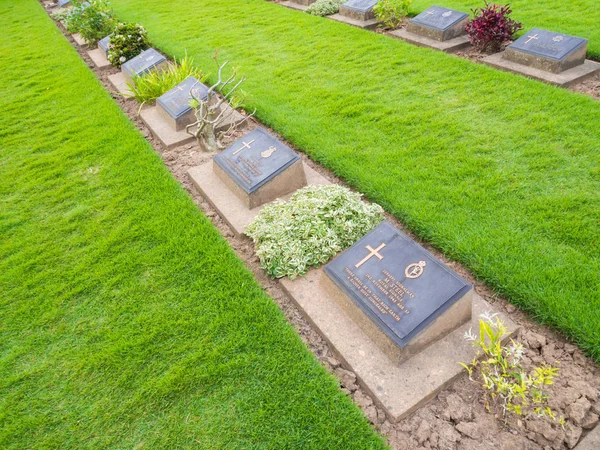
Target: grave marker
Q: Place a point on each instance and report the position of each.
(258, 168)
(103, 45)
(175, 104)
(358, 9)
(547, 51)
(145, 62)
(438, 23)
(402, 297)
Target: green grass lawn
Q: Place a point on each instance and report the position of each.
(500, 172)
(575, 17)
(126, 320)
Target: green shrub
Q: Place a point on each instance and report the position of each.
(508, 387)
(325, 7)
(148, 87)
(391, 12)
(127, 41)
(310, 228)
(92, 19)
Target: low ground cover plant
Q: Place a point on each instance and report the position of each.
(309, 229)
(93, 19)
(127, 41)
(509, 389)
(391, 12)
(491, 27)
(148, 87)
(325, 7)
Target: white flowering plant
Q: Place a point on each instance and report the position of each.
(309, 229)
(127, 41)
(508, 387)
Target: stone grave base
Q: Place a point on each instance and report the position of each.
(77, 38)
(294, 5)
(398, 389)
(230, 207)
(563, 79)
(162, 130)
(366, 24)
(119, 81)
(302, 2)
(165, 132)
(450, 46)
(98, 57)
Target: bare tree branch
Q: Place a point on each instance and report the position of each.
(213, 111)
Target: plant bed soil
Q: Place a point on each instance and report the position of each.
(455, 418)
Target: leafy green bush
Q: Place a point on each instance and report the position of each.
(127, 41)
(92, 19)
(148, 87)
(391, 12)
(325, 7)
(310, 228)
(509, 388)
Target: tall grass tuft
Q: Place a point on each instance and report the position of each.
(148, 87)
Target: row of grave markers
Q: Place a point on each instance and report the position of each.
(390, 310)
(547, 56)
(397, 284)
(543, 55)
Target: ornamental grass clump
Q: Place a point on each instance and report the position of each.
(127, 41)
(151, 85)
(309, 229)
(325, 7)
(491, 27)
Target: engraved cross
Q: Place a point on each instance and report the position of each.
(429, 13)
(531, 38)
(243, 147)
(373, 252)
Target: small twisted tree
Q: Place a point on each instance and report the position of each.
(211, 111)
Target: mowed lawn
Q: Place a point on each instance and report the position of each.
(126, 321)
(500, 172)
(574, 17)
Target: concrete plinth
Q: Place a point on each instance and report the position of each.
(77, 38)
(230, 207)
(162, 130)
(165, 131)
(366, 24)
(294, 5)
(563, 79)
(362, 14)
(119, 81)
(450, 46)
(303, 2)
(98, 58)
(399, 390)
(546, 64)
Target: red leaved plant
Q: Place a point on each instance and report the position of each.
(491, 27)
